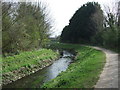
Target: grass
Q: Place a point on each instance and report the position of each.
(27, 59)
(83, 73)
(26, 63)
(0, 70)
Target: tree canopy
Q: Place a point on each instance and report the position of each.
(24, 26)
(90, 26)
(84, 24)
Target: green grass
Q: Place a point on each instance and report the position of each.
(83, 73)
(27, 59)
(0, 70)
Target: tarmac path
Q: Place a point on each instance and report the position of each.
(109, 75)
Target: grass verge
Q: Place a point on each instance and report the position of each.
(83, 73)
(17, 66)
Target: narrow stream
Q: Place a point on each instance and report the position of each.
(37, 79)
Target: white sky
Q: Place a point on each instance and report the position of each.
(62, 10)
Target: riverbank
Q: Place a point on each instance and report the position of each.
(84, 72)
(38, 78)
(18, 66)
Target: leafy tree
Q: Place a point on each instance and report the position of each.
(25, 26)
(6, 28)
(65, 34)
(84, 24)
(111, 31)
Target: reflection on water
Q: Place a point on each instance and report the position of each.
(44, 75)
(57, 67)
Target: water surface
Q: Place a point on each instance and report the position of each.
(37, 79)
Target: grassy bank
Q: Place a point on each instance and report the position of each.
(17, 66)
(0, 71)
(83, 73)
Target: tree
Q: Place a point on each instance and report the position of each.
(111, 31)
(65, 34)
(84, 24)
(118, 13)
(25, 26)
(6, 27)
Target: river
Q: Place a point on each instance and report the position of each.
(37, 79)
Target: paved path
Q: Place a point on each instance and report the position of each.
(109, 75)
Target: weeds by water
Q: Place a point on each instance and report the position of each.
(25, 63)
(83, 73)
(26, 59)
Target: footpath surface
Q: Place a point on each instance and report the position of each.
(109, 75)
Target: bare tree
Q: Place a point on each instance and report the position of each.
(118, 13)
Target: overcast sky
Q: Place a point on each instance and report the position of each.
(62, 10)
